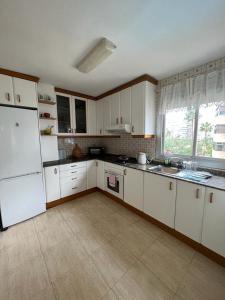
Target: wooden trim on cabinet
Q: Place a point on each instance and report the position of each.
(193, 244)
(19, 75)
(144, 136)
(48, 102)
(66, 135)
(69, 198)
(73, 93)
(121, 87)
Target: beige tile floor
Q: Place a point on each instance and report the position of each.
(94, 248)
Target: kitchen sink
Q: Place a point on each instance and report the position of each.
(164, 170)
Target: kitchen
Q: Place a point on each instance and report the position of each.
(112, 187)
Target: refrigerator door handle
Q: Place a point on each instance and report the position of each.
(22, 175)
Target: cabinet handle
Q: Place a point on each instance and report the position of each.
(74, 178)
(18, 98)
(55, 171)
(125, 172)
(170, 186)
(121, 120)
(100, 131)
(117, 120)
(73, 172)
(96, 163)
(73, 166)
(74, 188)
(197, 193)
(132, 129)
(211, 198)
(7, 95)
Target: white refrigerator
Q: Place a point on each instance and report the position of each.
(21, 182)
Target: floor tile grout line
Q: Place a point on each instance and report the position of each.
(42, 253)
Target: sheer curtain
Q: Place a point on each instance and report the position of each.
(194, 91)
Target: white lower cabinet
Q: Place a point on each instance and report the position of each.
(190, 209)
(73, 178)
(52, 184)
(133, 188)
(213, 235)
(100, 175)
(160, 198)
(91, 174)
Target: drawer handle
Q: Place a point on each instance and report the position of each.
(55, 171)
(73, 166)
(73, 172)
(197, 193)
(8, 96)
(74, 188)
(74, 178)
(211, 198)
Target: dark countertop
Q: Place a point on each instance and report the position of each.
(217, 182)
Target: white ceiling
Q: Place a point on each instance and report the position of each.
(47, 38)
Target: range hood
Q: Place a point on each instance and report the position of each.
(123, 128)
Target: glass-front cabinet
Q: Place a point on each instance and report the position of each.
(72, 114)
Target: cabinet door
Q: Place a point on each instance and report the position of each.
(99, 108)
(79, 118)
(125, 106)
(91, 174)
(63, 113)
(133, 188)
(138, 108)
(189, 209)
(25, 92)
(115, 109)
(100, 174)
(52, 185)
(159, 198)
(91, 119)
(106, 114)
(6, 90)
(213, 235)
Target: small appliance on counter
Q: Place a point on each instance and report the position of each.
(142, 158)
(96, 151)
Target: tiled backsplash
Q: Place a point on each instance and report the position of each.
(126, 144)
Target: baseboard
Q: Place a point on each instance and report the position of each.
(193, 244)
(69, 198)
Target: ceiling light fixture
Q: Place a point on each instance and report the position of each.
(96, 56)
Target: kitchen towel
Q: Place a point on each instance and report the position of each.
(112, 180)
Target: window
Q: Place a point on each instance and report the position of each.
(197, 132)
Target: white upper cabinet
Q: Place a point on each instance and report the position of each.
(189, 209)
(91, 118)
(143, 108)
(6, 90)
(160, 198)
(125, 106)
(115, 109)
(213, 235)
(133, 188)
(25, 92)
(106, 114)
(100, 110)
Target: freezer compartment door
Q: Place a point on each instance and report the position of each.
(19, 142)
(21, 198)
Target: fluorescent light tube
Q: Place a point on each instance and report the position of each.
(96, 56)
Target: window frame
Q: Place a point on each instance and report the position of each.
(201, 160)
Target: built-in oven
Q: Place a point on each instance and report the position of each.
(114, 182)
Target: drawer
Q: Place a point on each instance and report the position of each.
(80, 176)
(66, 167)
(72, 188)
(72, 172)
